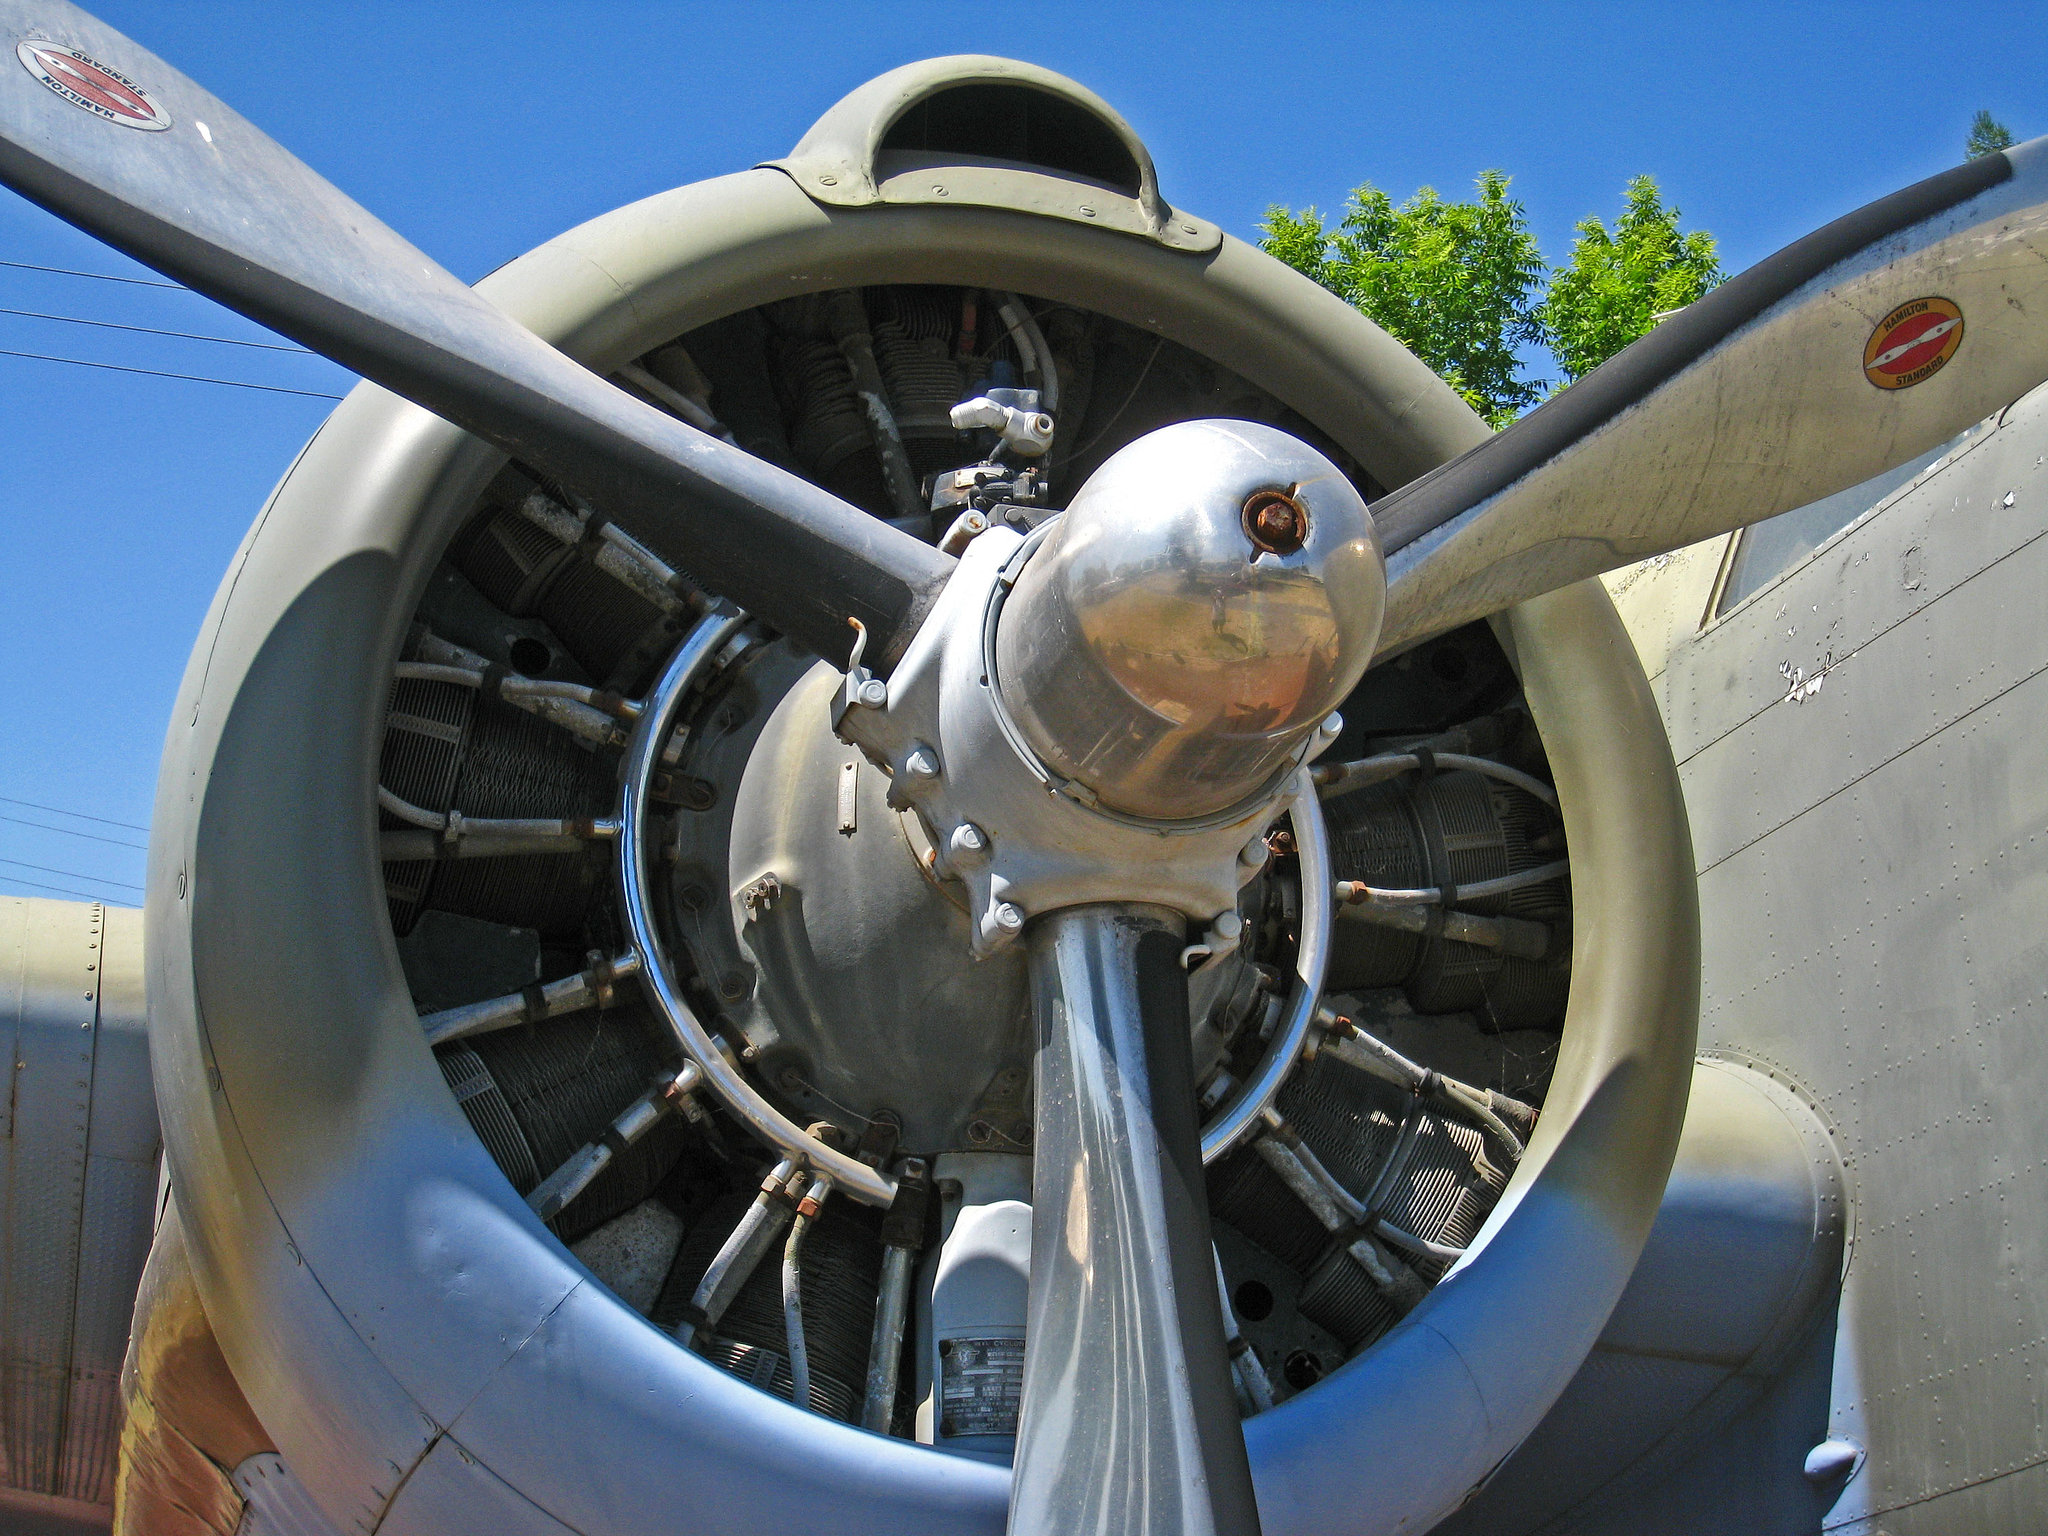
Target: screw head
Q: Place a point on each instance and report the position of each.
(874, 693)
(1276, 522)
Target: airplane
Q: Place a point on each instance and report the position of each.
(1084, 916)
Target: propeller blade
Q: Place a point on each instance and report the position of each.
(112, 139)
(1129, 1423)
(1866, 343)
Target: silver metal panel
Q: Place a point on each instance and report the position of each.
(44, 1173)
(77, 1188)
(277, 1502)
(1874, 892)
(1944, 527)
(451, 1490)
(117, 1216)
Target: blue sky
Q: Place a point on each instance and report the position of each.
(480, 130)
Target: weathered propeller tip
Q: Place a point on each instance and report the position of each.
(1210, 596)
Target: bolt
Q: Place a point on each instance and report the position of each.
(1275, 522)
(980, 1131)
(732, 986)
(1009, 917)
(1253, 854)
(1332, 726)
(1227, 926)
(874, 693)
(922, 763)
(969, 841)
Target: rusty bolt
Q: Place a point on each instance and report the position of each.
(1275, 522)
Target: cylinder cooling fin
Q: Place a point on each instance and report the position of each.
(549, 1124)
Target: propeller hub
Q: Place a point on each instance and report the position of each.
(1210, 596)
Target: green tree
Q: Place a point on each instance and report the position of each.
(1987, 136)
(1454, 282)
(1616, 284)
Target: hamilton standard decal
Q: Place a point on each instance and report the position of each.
(87, 83)
(1913, 342)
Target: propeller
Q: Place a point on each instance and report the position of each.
(1129, 1421)
(1869, 341)
(1809, 373)
(112, 139)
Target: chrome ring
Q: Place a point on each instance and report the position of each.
(1311, 965)
(643, 754)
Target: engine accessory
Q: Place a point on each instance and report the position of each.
(971, 1327)
(849, 321)
(792, 1287)
(744, 1248)
(447, 744)
(537, 1096)
(583, 1166)
(902, 1237)
(571, 994)
(1254, 1389)
(616, 606)
(841, 1263)
(1409, 842)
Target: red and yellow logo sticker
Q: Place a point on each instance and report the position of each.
(1912, 343)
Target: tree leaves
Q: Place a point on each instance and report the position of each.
(1616, 286)
(1453, 282)
(1987, 137)
(1462, 285)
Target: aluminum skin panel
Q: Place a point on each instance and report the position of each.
(1874, 896)
(77, 1188)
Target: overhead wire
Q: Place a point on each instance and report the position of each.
(72, 874)
(150, 330)
(59, 890)
(160, 373)
(21, 821)
(58, 810)
(101, 277)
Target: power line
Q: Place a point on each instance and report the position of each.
(150, 330)
(58, 810)
(103, 277)
(61, 890)
(71, 874)
(158, 373)
(74, 832)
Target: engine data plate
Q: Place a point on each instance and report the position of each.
(981, 1386)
